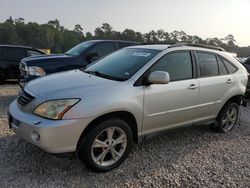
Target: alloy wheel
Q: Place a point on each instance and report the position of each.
(230, 118)
(109, 146)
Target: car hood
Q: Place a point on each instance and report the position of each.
(67, 84)
(51, 58)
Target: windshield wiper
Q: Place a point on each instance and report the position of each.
(96, 73)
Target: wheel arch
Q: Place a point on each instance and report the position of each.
(124, 115)
(235, 99)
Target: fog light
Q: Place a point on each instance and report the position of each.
(35, 136)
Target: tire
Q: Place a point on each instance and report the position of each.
(99, 152)
(227, 118)
(2, 77)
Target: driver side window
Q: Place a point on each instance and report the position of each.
(177, 64)
(103, 49)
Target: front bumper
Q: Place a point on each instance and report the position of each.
(53, 136)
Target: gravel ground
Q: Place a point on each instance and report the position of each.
(191, 157)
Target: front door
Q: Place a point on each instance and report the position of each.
(173, 104)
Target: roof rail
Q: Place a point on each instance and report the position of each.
(157, 43)
(197, 45)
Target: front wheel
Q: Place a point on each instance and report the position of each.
(227, 118)
(105, 146)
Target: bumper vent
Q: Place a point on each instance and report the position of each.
(24, 98)
(16, 122)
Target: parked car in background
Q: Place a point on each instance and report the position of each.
(243, 59)
(128, 96)
(10, 57)
(77, 57)
(246, 63)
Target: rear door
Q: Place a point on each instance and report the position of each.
(215, 82)
(173, 104)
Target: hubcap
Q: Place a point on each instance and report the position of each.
(229, 119)
(109, 146)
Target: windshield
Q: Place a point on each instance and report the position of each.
(79, 49)
(122, 64)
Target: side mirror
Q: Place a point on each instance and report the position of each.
(92, 56)
(159, 77)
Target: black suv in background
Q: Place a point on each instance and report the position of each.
(246, 64)
(10, 57)
(77, 57)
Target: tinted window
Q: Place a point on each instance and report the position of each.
(122, 64)
(222, 68)
(231, 69)
(79, 49)
(32, 53)
(1, 51)
(178, 65)
(124, 44)
(103, 49)
(15, 54)
(207, 64)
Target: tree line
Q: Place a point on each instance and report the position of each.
(59, 39)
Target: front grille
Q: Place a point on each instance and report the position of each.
(24, 98)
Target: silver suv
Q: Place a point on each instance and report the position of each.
(128, 96)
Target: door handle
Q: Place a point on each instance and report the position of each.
(229, 81)
(192, 86)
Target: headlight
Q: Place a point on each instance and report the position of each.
(55, 109)
(36, 71)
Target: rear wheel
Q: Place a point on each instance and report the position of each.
(105, 146)
(227, 118)
(2, 77)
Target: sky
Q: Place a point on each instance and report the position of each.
(205, 18)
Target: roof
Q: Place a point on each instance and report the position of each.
(14, 46)
(125, 41)
(19, 46)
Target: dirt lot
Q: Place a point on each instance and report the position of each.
(192, 157)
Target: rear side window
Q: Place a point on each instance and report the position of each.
(207, 64)
(222, 68)
(15, 54)
(231, 68)
(178, 65)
